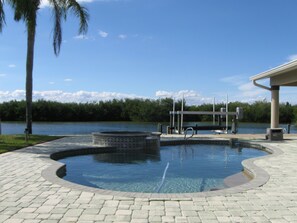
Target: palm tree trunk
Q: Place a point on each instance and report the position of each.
(31, 27)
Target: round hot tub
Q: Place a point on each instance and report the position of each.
(127, 140)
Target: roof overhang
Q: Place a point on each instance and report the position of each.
(283, 75)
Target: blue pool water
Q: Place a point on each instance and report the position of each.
(172, 169)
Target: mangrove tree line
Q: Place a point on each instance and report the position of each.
(140, 110)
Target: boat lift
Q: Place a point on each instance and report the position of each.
(219, 128)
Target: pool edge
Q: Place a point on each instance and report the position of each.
(260, 176)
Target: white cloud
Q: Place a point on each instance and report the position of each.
(86, 1)
(292, 57)
(246, 91)
(51, 82)
(68, 80)
(249, 94)
(11, 65)
(103, 34)
(12, 95)
(3, 75)
(247, 87)
(191, 97)
(107, 1)
(178, 94)
(122, 36)
(61, 96)
(84, 37)
(249, 90)
(234, 80)
(45, 3)
(81, 37)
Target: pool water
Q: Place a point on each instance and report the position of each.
(172, 169)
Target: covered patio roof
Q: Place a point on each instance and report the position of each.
(283, 75)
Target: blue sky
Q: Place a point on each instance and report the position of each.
(154, 48)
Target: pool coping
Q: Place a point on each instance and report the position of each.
(260, 176)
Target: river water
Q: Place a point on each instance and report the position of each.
(70, 128)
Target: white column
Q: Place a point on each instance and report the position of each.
(274, 106)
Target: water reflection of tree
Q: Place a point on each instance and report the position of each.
(129, 157)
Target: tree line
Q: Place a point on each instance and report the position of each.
(137, 110)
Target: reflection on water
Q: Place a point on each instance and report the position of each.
(68, 128)
(179, 169)
(130, 157)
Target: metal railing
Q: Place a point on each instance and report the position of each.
(186, 131)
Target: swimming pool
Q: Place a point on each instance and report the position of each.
(172, 169)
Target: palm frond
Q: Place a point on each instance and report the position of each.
(58, 13)
(24, 10)
(2, 15)
(80, 12)
(60, 8)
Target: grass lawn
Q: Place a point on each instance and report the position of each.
(13, 142)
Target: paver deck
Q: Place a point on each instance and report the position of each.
(26, 196)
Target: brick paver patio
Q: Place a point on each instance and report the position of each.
(28, 193)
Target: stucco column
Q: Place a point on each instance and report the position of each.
(274, 106)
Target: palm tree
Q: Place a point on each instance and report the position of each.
(26, 10)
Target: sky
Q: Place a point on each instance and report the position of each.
(199, 49)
